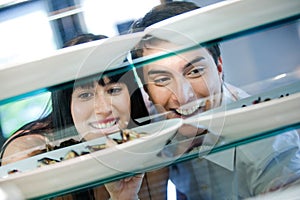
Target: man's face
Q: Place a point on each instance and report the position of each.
(181, 79)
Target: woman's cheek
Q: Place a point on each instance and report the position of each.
(121, 103)
(80, 111)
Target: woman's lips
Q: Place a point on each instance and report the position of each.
(104, 124)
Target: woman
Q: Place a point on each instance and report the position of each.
(98, 108)
(112, 103)
(94, 109)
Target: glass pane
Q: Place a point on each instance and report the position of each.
(173, 109)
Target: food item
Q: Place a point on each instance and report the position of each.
(126, 135)
(67, 143)
(36, 152)
(13, 171)
(96, 147)
(69, 155)
(49, 161)
(46, 161)
(259, 100)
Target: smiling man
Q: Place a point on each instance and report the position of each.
(181, 86)
(182, 79)
(184, 84)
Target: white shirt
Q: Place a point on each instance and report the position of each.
(240, 172)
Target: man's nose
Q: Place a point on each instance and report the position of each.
(183, 91)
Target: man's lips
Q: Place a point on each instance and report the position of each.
(104, 123)
(188, 111)
(190, 108)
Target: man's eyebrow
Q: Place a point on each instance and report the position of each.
(195, 60)
(151, 72)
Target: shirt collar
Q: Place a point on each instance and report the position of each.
(226, 158)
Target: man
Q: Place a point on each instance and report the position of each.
(174, 84)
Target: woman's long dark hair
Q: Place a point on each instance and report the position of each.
(60, 121)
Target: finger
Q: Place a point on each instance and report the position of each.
(139, 175)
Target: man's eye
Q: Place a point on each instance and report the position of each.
(162, 81)
(196, 72)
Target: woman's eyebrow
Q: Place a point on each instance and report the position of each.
(195, 60)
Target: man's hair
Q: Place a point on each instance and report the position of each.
(83, 38)
(162, 12)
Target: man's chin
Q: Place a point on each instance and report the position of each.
(188, 130)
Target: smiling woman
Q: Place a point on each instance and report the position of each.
(93, 108)
(98, 107)
(89, 108)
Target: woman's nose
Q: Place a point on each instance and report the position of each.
(102, 104)
(183, 91)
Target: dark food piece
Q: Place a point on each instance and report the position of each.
(46, 161)
(36, 152)
(96, 147)
(67, 143)
(71, 154)
(259, 100)
(13, 171)
(126, 135)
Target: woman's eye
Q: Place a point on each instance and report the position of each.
(162, 81)
(114, 90)
(85, 95)
(196, 72)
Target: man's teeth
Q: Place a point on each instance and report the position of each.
(105, 125)
(188, 111)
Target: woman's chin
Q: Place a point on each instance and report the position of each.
(98, 133)
(92, 136)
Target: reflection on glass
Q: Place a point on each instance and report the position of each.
(211, 132)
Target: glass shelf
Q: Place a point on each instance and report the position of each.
(82, 64)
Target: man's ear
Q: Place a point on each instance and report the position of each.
(145, 88)
(220, 68)
(220, 65)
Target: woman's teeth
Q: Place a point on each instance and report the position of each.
(104, 125)
(188, 111)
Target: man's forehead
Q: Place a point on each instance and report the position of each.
(168, 51)
(175, 62)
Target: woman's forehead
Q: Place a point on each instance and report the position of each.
(105, 80)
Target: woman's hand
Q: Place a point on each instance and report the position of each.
(125, 189)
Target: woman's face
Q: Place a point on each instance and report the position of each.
(100, 110)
